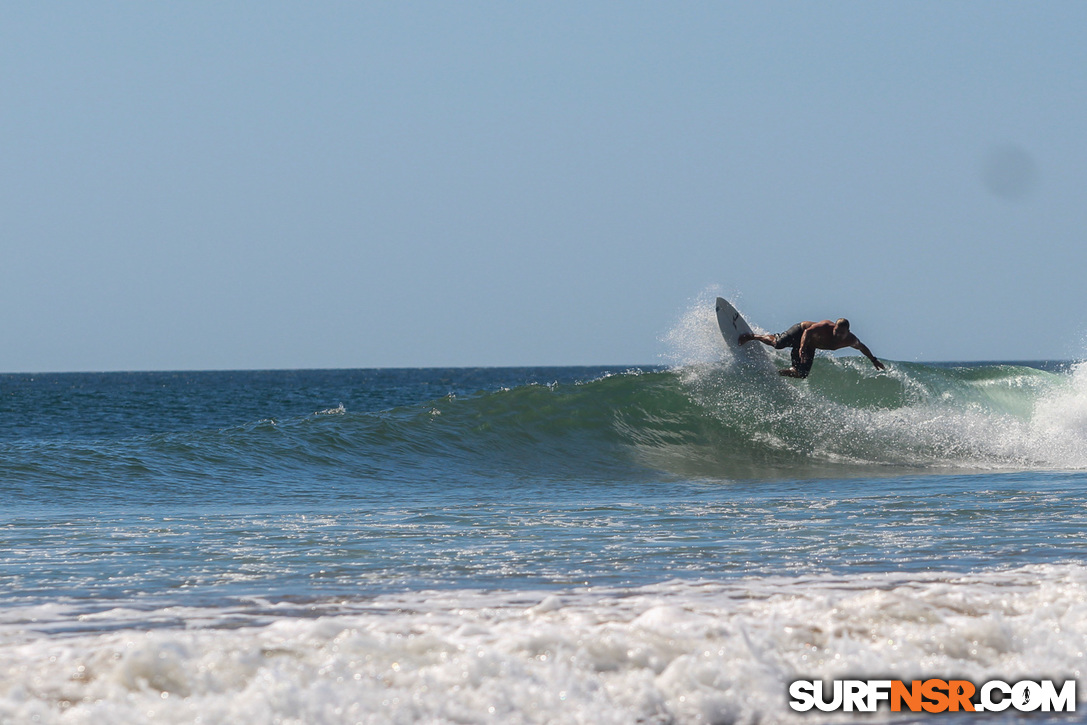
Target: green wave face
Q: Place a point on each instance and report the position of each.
(714, 421)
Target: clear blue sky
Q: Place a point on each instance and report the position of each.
(269, 185)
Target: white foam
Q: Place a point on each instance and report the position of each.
(683, 652)
(1059, 421)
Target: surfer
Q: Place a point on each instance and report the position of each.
(807, 337)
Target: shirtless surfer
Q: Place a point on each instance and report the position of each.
(807, 337)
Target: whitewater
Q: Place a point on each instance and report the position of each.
(654, 544)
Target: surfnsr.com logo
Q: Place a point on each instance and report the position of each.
(933, 695)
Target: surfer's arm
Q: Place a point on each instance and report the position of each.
(868, 354)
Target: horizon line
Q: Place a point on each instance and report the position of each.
(626, 366)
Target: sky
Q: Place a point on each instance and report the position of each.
(203, 185)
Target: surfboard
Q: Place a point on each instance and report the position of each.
(732, 325)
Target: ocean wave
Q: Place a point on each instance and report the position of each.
(702, 420)
(718, 421)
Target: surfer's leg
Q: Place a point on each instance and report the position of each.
(804, 368)
(801, 364)
(764, 339)
(789, 338)
(796, 357)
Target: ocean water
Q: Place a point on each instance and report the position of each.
(666, 544)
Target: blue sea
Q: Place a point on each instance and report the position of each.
(621, 544)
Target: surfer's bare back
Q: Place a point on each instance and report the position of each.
(807, 337)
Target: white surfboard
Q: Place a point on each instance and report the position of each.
(733, 325)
